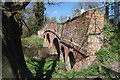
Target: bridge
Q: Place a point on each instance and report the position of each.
(76, 40)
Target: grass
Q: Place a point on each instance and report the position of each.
(56, 69)
(32, 40)
(46, 67)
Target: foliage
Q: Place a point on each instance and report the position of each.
(77, 11)
(114, 38)
(49, 20)
(30, 21)
(32, 40)
(39, 14)
(84, 5)
(48, 66)
(32, 64)
(53, 19)
(31, 24)
(103, 55)
(34, 18)
(60, 72)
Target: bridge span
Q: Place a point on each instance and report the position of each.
(75, 41)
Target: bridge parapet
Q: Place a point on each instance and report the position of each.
(76, 40)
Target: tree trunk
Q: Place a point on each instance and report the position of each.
(13, 62)
(116, 13)
(106, 10)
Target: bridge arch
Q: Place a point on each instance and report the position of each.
(63, 53)
(74, 52)
(48, 37)
(71, 59)
(57, 47)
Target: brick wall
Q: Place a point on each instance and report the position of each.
(78, 39)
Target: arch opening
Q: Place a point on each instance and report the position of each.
(71, 58)
(48, 37)
(63, 52)
(56, 43)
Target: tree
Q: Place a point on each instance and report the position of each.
(115, 7)
(32, 25)
(53, 19)
(13, 62)
(63, 19)
(116, 12)
(81, 6)
(106, 9)
(34, 19)
(39, 14)
(84, 5)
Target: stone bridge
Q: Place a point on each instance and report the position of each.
(75, 41)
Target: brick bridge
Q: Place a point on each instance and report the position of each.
(75, 41)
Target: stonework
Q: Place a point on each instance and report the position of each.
(76, 40)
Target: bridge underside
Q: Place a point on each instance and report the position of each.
(75, 41)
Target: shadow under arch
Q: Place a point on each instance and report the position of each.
(48, 37)
(71, 58)
(56, 43)
(63, 52)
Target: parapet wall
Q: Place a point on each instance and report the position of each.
(76, 40)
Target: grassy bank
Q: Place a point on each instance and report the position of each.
(32, 41)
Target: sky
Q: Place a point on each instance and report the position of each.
(59, 10)
(62, 9)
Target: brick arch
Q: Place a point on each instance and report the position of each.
(63, 52)
(43, 36)
(71, 59)
(72, 35)
(48, 37)
(57, 47)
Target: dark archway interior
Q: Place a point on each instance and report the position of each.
(63, 52)
(48, 37)
(56, 43)
(72, 60)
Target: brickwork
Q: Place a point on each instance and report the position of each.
(77, 39)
